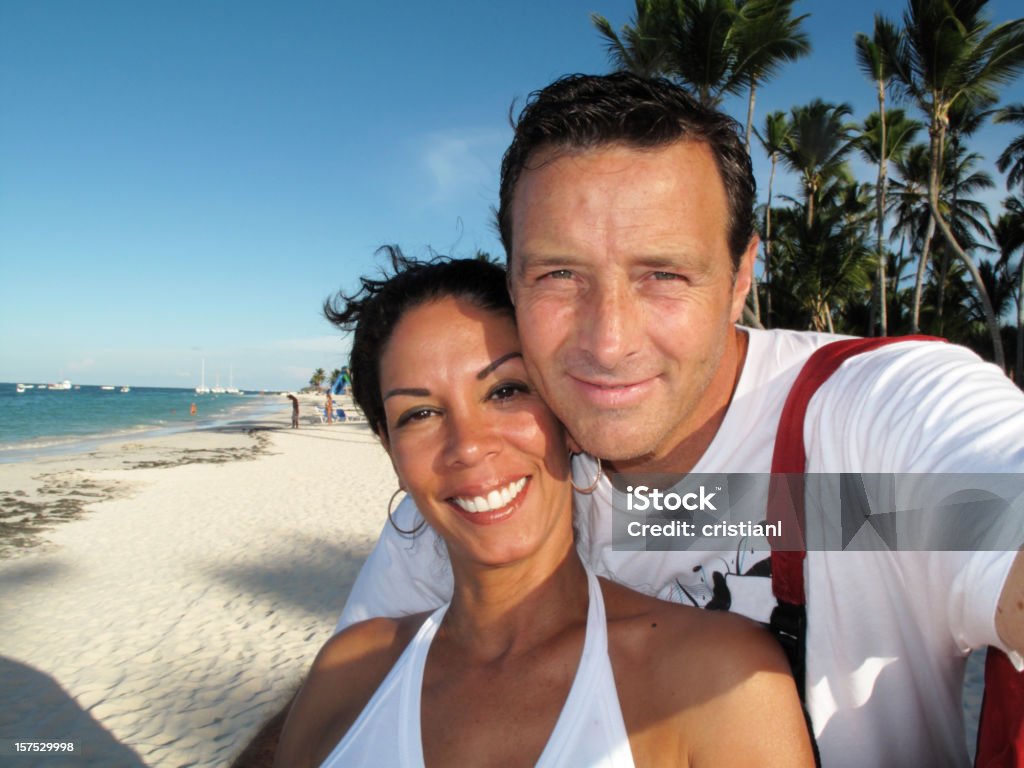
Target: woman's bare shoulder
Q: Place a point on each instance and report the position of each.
(698, 683)
(345, 674)
(709, 641)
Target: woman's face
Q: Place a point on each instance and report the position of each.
(480, 453)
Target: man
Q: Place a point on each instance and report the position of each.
(626, 213)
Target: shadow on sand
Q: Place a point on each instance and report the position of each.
(34, 707)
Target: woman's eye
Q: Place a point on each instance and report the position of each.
(508, 391)
(417, 414)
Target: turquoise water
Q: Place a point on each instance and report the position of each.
(41, 420)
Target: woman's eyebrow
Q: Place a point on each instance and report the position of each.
(411, 392)
(497, 363)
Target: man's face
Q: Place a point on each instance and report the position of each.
(626, 295)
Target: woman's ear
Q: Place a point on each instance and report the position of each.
(382, 433)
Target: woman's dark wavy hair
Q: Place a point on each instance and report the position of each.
(588, 111)
(373, 311)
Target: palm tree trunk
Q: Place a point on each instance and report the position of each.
(922, 265)
(751, 98)
(880, 224)
(768, 246)
(756, 299)
(938, 138)
(1019, 367)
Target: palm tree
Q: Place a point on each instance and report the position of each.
(884, 136)
(774, 139)
(702, 50)
(967, 216)
(948, 53)
(714, 46)
(765, 35)
(824, 263)
(874, 62)
(643, 47)
(817, 146)
(317, 378)
(1009, 237)
(1012, 158)
(913, 219)
(965, 118)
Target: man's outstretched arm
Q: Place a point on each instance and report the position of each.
(1010, 610)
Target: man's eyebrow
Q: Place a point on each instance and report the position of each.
(409, 391)
(499, 362)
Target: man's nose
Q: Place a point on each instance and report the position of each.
(609, 324)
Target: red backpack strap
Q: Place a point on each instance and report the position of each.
(1001, 726)
(1001, 723)
(789, 461)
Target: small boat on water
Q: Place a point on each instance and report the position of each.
(126, 389)
(66, 384)
(19, 388)
(202, 389)
(107, 388)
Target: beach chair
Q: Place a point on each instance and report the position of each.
(321, 413)
(355, 415)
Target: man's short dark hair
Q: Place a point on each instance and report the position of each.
(589, 111)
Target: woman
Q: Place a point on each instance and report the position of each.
(534, 660)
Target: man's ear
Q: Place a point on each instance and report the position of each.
(744, 278)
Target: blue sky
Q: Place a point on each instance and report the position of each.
(188, 181)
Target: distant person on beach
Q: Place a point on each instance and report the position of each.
(295, 411)
(626, 212)
(329, 408)
(534, 660)
(192, 410)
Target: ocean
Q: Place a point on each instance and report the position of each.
(42, 421)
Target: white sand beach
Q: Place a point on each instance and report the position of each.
(181, 605)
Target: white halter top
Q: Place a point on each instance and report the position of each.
(589, 732)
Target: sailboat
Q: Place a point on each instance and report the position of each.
(232, 390)
(202, 389)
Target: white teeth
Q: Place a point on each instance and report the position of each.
(496, 499)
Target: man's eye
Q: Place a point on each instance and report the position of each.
(558, 274)
(667, 276)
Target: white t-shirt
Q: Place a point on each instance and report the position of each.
(887, 631)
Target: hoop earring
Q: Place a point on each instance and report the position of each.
(391, 520)
(590, 488)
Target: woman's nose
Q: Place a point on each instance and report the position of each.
(470, 439)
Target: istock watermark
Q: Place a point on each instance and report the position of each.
(847, 511)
